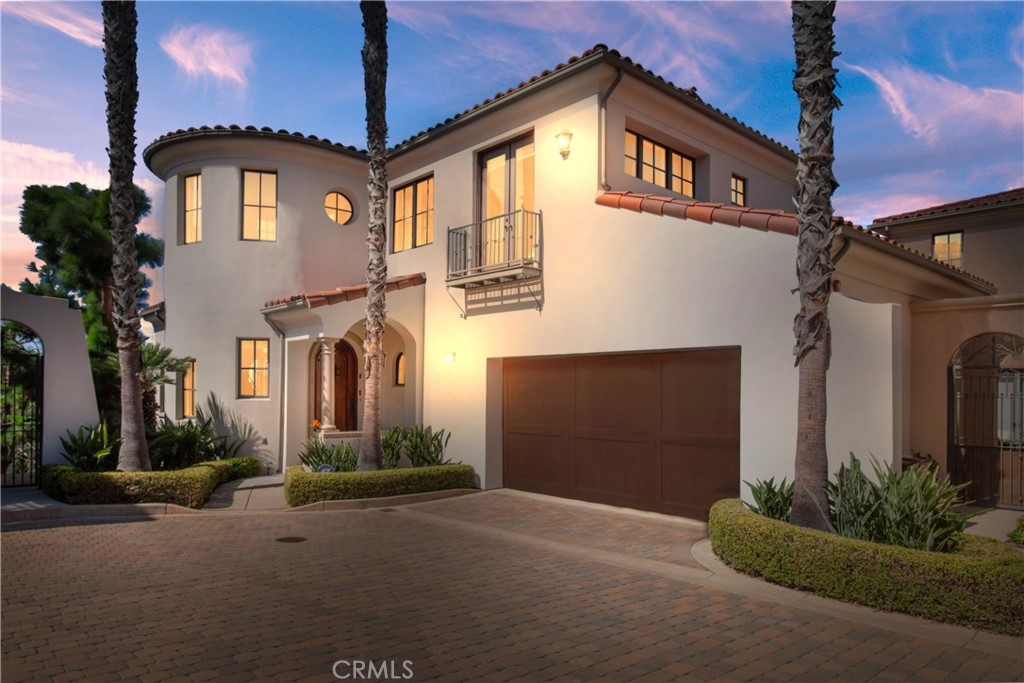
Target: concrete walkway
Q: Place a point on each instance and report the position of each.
(496, 586)
(255, 493)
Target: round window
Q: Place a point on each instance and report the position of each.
(338, 207)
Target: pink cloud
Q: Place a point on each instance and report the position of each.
(864, 208)
(63, 17)
(203, 51)
(933, 108)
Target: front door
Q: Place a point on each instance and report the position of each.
(346, 387)
(506, 186)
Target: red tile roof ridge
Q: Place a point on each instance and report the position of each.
(247, 131)
(1012, 195)
(771, 220)
(599, 50)
(326, 297)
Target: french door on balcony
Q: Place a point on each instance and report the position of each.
(509, 234)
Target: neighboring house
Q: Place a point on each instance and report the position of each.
(639, 358)
(967, 390)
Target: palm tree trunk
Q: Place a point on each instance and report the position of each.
(120, 22)
(375, 72)
(815, 84)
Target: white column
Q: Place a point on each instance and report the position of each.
(327, 383)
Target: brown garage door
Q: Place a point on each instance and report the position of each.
(653, 431)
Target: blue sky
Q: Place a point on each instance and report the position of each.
(933, 92)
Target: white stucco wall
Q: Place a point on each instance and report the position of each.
(69, 398)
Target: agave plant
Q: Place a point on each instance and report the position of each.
(320, 456)
(424, 447)
(88, 448)
(771, 500)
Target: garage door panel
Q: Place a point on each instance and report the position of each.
(695, 477)
(538, 463)
(616, 392)
(697, 389)
(620, 469)
(538, 392)
(653, 431)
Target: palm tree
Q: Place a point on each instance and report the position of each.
(814, 83)
(375, 76)
(157, 368)
(120, 22)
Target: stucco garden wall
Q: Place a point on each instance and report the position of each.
(69, 398)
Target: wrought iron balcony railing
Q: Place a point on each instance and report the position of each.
(498, 249)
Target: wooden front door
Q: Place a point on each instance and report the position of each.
(346, 387)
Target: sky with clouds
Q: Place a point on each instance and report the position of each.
(933, 92)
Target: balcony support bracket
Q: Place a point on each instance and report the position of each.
(462, 311)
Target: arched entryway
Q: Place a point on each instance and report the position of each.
(21, 412)
(345, 386)
(986, 418)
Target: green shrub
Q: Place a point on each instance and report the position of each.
(183, 444)
(317, 455)
(912, 508)
(189, 487)
(89, 448)
(978, 586)
(771, 500)
(392, 445)
(424, 447)
(302, 488)
(1017, 535)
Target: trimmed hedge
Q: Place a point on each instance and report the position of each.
(190, 487)
(303, 488)
(979, 586)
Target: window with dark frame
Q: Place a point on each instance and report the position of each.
(413, 217)
(655, 163)
(253, 368)
(338, 207)
(188, 390)
(738, 191)
(948, 248)
(400, 370)
(259, 206)
(1010, 408)
(193, 204)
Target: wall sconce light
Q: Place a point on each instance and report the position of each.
(563, 139)
(450, 357)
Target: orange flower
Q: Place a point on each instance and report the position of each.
(316, 424)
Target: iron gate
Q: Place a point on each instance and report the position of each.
(21, 406)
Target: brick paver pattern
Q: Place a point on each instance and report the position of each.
(218, 597)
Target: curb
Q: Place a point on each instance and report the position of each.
(370, 503)
(64, 511)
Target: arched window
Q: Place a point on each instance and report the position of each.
(400, 370)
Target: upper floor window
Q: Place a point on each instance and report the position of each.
(400, 370)
(193, 209)
(259, 205)
(658, 164)
(949, 248)
(738, 191)
(253, 368)
(414, 215)
(188, 391)
(338, 207)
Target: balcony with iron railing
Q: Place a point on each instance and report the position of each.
(498, 249)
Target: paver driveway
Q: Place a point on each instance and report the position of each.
(493, 586)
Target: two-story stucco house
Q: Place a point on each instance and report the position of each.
(590, 287)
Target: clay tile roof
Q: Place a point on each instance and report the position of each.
(757, 219)
(599, 52)
(234, 130)
(1007, 197)
(347, 293)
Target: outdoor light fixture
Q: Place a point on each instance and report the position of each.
(563, 143)
(450, 356)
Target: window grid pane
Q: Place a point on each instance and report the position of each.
(658, 164)
(253, 368)
(259, 206)
(739, 191)
(188, 391)
(413, 220)
(948, 248)
(193, 209)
